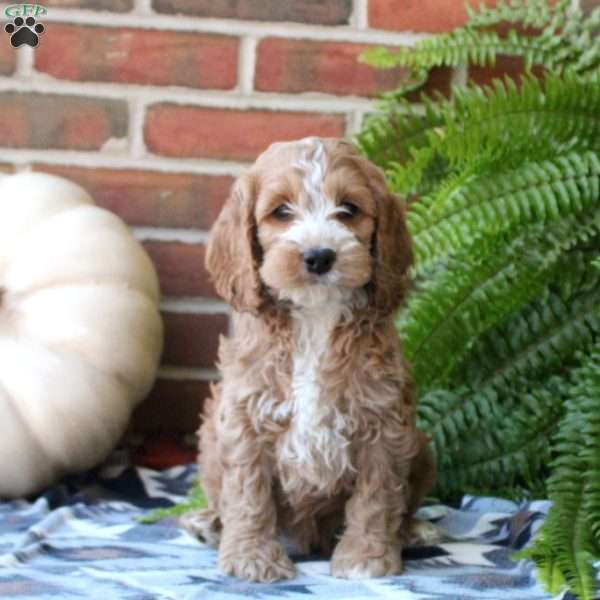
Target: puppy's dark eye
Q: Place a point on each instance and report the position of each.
(348, 210)
(282, 213)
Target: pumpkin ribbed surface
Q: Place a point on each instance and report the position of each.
(80, 330)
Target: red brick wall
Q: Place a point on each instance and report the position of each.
(156, 105)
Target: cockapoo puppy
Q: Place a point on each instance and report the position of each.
(311, 432)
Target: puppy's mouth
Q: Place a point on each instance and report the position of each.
(331, 278)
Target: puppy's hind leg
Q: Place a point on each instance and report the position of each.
(423, 470)
(203, 524)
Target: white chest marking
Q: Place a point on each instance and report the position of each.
(316, 440)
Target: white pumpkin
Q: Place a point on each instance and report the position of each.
(80, 330)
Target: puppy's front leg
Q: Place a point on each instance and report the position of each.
(370, 546)
(249, 548)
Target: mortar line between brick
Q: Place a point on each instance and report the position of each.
(360, 18)
(168, 234)
(119, 162)
(247, 64)
(40, 83)
(231, 26)
(142, 7)
(175, 373)
(24, 59)
(354, 122)
(195, 306)
(137, 111)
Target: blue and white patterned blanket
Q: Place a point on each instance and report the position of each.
(81, 540)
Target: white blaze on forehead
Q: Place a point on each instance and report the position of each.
(314, 226)
(313, 165)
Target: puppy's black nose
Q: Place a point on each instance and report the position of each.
(319, 260)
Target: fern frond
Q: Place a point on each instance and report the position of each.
(536, 192)
(393, 136)
(586, 398)
(529, 13)
(559, 113)
(516, 452)
(478, 446)
(466, 46)
(544, 336)
(569, 540)
(483, 128)
(471, 427)
(565, 44)
(564, 567)
(479, 289)
(580, 35)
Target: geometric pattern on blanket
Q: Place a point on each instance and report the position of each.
(81, 539)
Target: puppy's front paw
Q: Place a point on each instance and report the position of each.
(353, 559)
(265, 561)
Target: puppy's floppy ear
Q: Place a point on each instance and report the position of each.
(393, 253)
(392, 245)
(233, 251)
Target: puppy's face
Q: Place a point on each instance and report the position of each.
(315, 219)
(311, 222)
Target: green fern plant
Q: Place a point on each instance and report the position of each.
(502, 184)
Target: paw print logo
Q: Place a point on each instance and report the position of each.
(24, 31)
